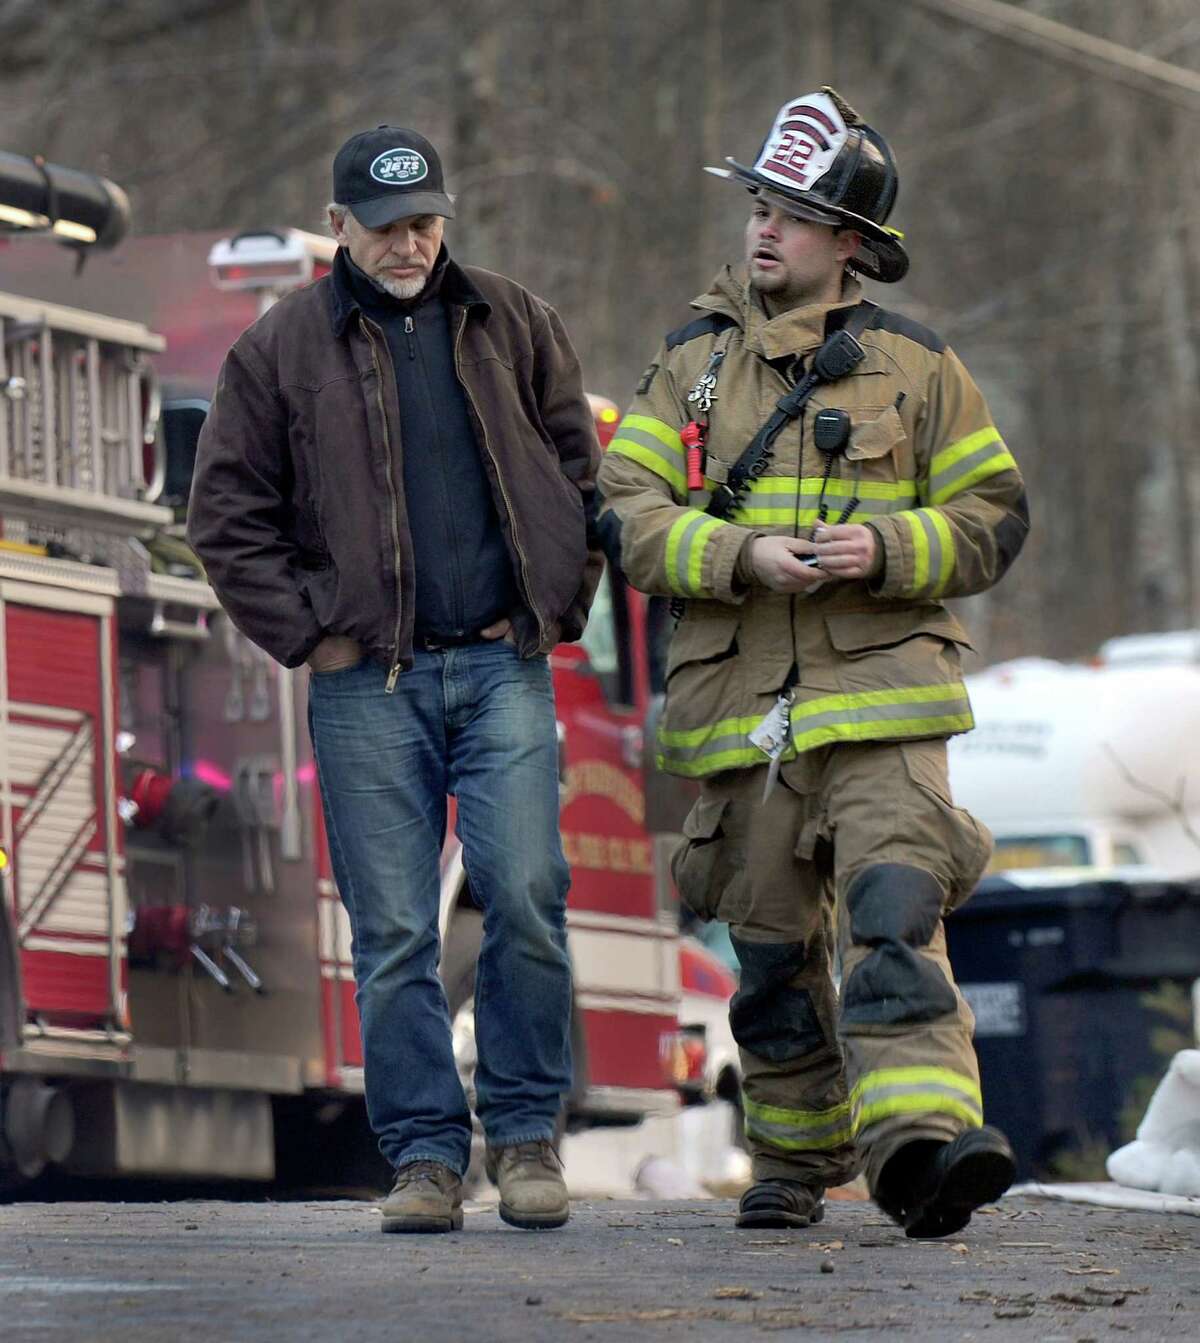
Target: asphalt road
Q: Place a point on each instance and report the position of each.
(622, 1270)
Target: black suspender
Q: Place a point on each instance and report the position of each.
(839, 355)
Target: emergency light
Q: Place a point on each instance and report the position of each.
(267, 260)
(606, 416)
(42, 199)
(278, 259)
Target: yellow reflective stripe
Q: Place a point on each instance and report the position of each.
(938, 725)
(836, 489)
(824, 704)
(963, 447)
(966, 462)
(697, 736)
(781, 501)
(778, 1114)
(866, 699)
(871, 715)
(1002, 461)
(686, 543)
(918, 1103)
(920, 545)
(659, 429)
(802, 1142)
(942, 527)
(876, 1096)
(656, 446)
(892, 1091)
(674, 540)
(785, 517)
(790, 1130)
(933, 550)
(742, 757)
(918, 1075)
(696, 558)
(864, 1117)
(816, 1143)
(637, 452)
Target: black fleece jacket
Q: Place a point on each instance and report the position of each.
(464, 577)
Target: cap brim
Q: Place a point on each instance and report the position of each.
(380, 211)
(880, 255)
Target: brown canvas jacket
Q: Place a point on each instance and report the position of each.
(297, 506)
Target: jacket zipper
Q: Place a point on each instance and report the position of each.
(512, 517)
(394, 673)
(408, 331)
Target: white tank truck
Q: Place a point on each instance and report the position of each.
(1092, 766)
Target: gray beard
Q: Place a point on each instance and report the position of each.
(401, 289)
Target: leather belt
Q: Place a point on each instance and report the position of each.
(428, 642)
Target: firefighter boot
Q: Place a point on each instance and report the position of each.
(533, 1193)
(781, 1203)
(427, 1196)
(931, 1188)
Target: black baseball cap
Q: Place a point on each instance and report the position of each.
(388, 174)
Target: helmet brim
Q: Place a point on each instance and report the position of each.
(880, 255)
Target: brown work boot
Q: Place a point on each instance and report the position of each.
(427, 1196)
(533, 1193)
(781, 1203)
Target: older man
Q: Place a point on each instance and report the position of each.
(394, 485)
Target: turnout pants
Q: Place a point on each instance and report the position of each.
(853, 858)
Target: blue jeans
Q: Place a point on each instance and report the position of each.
(477, 722)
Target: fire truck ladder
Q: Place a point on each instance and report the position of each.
(53, 777)
(79, 442)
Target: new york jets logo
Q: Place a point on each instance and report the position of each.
(399, 167)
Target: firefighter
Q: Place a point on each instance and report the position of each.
(808, 476)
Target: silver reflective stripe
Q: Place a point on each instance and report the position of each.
(808, 500)
(833, 1133)
(944, 479)
(875, 713)
(688, 542)
(874, 1095)
(674, 456)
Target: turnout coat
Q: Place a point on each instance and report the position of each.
(925, 467)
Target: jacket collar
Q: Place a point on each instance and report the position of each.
(457, 288)
(795, 332)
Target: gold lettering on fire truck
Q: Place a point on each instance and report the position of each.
(597, 778)
(608, 853)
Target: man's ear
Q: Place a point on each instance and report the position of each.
(847, 242)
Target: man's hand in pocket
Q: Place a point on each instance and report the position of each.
(335, 653)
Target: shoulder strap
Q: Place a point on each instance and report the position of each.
(839, 355)
(712, 323)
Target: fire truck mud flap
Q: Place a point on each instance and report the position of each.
(175, 1132)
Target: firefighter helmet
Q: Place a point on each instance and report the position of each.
(822, 162)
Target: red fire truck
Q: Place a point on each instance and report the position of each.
(176, 994)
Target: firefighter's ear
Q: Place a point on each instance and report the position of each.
(846, 242)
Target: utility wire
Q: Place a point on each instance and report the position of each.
(1146, 74)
